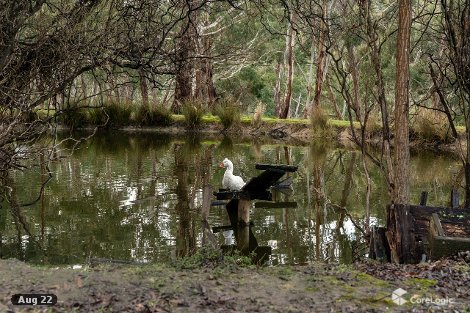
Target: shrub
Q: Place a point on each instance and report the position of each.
(319, 122)
(119, 114)
(258, 115)
(153, 116)
(229, 114)
(98, 116)
(193, 113)
(208, 257)
(73, 117)
(431, 125)
(374, 123)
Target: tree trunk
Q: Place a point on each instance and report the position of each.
(204, 90)
(277, 89)
(144, 91)
(355, 80)
(331, 97)
(381, 99)
(402, 152)
(309, 82)
(321, 61)
(183, 80)
(290, 70)
(184, 63)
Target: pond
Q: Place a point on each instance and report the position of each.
(137, 197)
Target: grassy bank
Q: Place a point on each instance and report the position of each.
(424, 133)
(233, 286)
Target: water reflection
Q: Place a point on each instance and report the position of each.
(139, 197)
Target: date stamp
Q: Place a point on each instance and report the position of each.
(33, 299)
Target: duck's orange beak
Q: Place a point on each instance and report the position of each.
(221, 165)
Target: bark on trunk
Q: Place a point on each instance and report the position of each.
(402, 152)
(144, 91)
(277, 89)
(321, 62)
(185, 60)
(290, 71)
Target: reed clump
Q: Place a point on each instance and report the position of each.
(431, 125)
(153, 116)
(229, 114)
(193, 113)
(319, 123)
(258, 115)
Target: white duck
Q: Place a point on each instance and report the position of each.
(231, 181)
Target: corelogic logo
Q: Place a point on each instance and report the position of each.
(397, 296)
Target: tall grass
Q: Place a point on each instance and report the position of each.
(153, 116)
(119, 113)
(258, 115)
(193, 113)
(431, 125)
(74, 117)
(229, 114)
(319, 122)
(111, 114)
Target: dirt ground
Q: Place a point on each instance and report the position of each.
(363, 287)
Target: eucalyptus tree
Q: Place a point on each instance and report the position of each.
(450, 71)
(46, 45)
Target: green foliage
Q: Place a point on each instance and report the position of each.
(319, 122)
(229, 113)
(73, 117)
(193, 113)
(431, 125)
(374, 123)
(97, 116)
(111, 114)
(204, 257)
(153, 116)
(251, 85)
(119, 113)
(210, 257)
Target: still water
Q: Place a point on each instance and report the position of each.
(138, 197)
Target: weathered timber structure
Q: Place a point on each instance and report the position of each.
(240, 202)
(416, 233)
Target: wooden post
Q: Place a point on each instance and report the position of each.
(401, 234)
(244, 212)
(454, 198)
(424, 198)
(243, 239)
(378, 248)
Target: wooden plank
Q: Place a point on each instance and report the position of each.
(263, 181)
(275, 205)
(437, 224)
(219, 203)
(401, 234)
(426, 211)
(379, 249)
(284, 184)
(216, 229)
(244, 212)
(228, 195)
(283, 167)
